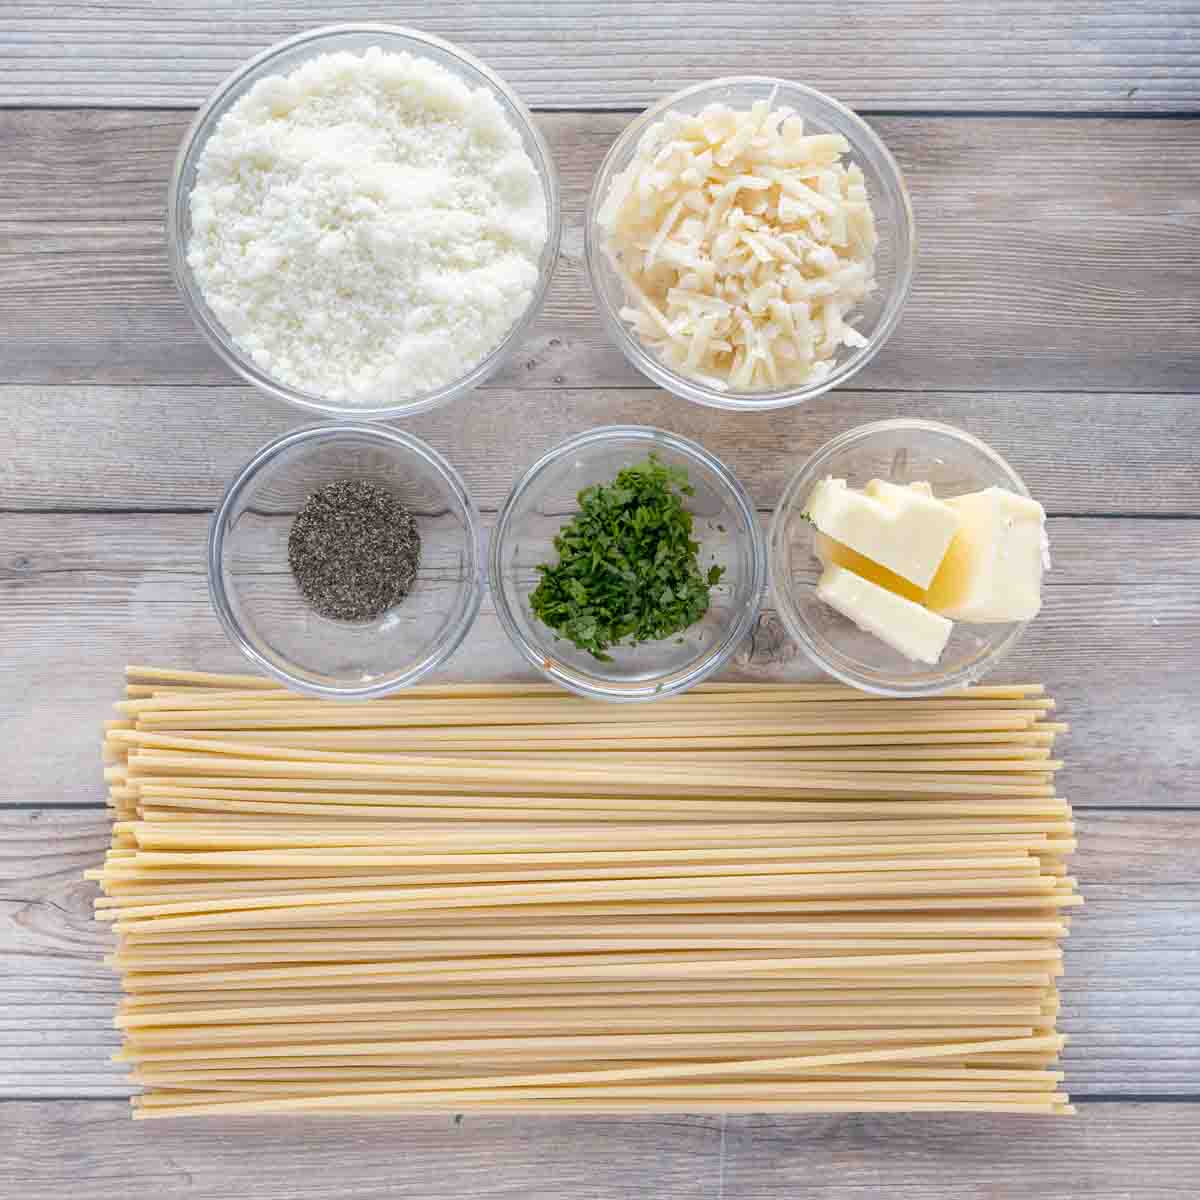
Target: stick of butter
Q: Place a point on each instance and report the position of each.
(903, 529)
(914, 631)
(993, 569)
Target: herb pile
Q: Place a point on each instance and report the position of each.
(627, 565)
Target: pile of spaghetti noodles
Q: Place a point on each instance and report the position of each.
(497, 897)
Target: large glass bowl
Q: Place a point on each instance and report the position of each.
(262, 609)
(725, 526)
(901, 451)
(281, 59)
(875, 318)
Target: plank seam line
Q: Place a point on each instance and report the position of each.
(1048, 114)
(1052, 114)
(636, 385)
(179, 511)
(67, 806)
(203, 510)
(1135, 808)
(1118, 516)
(628, 385)
(721, 1159)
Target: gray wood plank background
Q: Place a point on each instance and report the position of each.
(1052, 152)
(151, 447)
(1054, 256)
(571, 54)
(1121, 1151)
(87, 593)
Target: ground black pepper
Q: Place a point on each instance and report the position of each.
(354, 549)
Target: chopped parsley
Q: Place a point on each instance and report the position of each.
(627, 566)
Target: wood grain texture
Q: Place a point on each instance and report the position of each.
(88, 448)
(915, 55)
(94, 1149)
(1131, 994)
(82, 595)
(1110, 1152)
(1055, 256)
(1054, 315)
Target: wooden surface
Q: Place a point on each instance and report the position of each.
(1054, 255)
(1053, 151)
(914, 55)
(1136, 1150)
(86, 593)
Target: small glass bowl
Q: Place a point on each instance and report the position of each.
(726, 527)
(895, 257)
(281, 59)
(900, 451)
(260, 606)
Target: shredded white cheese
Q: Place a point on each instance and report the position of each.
(744, 245)
(367, 228)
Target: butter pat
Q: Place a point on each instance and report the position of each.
(993, 569)
(903, 529)
(828, 551)
(908, 628)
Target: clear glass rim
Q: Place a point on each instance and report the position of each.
(177, 201)
(780, 592)
(391, 439)
(691, 389)
(671, 683)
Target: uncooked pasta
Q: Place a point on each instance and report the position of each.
(500, 898)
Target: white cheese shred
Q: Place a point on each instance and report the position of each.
(744, 245)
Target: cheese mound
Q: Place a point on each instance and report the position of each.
(367, 228)
(744, 243)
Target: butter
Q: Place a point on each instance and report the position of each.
(908, 628)
(904, 529)
(829, 551)
(993, 569)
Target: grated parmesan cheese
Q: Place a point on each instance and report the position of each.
(367, 228)
(744, 246)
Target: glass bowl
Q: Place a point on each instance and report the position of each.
(875, 318)
(256, 598)
(726, 527)
(900, 451)
(283, 58)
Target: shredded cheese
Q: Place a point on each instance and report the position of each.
(744, 245)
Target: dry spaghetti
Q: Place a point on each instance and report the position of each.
(495, 897)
